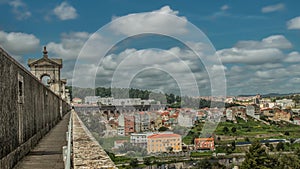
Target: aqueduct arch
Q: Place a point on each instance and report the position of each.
(50, 67)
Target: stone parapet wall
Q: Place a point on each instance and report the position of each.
(28, 110)
(87, 152)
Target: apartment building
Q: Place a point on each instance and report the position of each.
(164, 142)
(129, 124)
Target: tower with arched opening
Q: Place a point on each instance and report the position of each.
(47, 70)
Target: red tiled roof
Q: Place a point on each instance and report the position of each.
(165, 114)
(121, 141)
(163, 135)
(76, 98)
(204, 139)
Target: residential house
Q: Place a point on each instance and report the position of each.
(296, 120)
(77, 100)
(282, 115)
(139, 139)
(268, 112)
(204, 144)
(173, 119)
(119, 143)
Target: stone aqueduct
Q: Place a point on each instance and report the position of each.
(30, 109)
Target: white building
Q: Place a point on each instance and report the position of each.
(121, 131)
(185, 120)
(250, 111)
(297, 121)
(229, 115)
(285, 103)
(91, 99)
(121, 125)
(126, 102)
(121, 120)
(139, 139)
(119, 143)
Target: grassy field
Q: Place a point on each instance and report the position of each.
(108, 143)
(250, 129)
(253, 128)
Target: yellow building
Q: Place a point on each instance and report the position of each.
(164, 142)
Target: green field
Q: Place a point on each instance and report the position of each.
(250, 129)
(253, 128)
(108, 143)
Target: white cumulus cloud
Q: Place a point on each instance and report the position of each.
(273, 8)
(224, 7)
(18, 43)
(274, 41)
(247, 56)
(294, 23)
(158, 21)
(65, 11)
(70, 45)
(293, 57)
(268, 50)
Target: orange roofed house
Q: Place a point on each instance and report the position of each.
(162, 142)
(204, 143)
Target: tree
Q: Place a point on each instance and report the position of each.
(286, 133)
(267, 144)
(147, 161)
(256, 157)
(134, 162)
(228, 149)
(204, 164)
(163, 128)
(271, 147)
(225, 129)
(233, 129)
(233, 145)
(280, 146)
(288, 161)
(217, 165)
(247, 139)
(297, 152)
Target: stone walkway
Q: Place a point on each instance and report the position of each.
(48, 152)
(87, 153)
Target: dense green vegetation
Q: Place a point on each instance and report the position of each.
(258, 158)
(193, 133)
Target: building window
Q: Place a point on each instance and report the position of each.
(20, 89)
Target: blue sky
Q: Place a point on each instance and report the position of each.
(258, 42)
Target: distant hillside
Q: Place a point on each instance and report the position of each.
(270, 95)
(170, 99)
